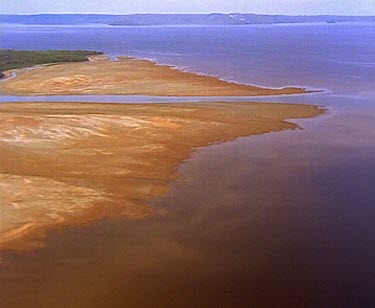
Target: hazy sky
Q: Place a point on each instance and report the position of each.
(340, 7)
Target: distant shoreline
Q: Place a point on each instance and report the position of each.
(177, 19)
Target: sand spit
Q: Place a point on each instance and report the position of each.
(64, 164)
(127, 76)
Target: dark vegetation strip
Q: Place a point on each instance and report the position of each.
(12, 59)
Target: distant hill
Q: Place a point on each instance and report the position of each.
(175, 19)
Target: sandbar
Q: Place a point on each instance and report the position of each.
(127, 76)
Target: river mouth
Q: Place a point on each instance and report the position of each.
(270, 212)
(283, 219)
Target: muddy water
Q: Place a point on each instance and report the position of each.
(273, 220)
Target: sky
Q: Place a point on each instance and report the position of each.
(293, 7)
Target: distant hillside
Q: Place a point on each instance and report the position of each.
(175, 19)
(229, 19)
(57, 19)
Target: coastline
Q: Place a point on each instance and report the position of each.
(29, 135)
(108, 160)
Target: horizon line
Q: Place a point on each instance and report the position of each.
(179, 13)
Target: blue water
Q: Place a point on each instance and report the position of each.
(339, 57)
(279, 220)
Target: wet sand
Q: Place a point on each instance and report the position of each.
(66, 164)
(127, 76)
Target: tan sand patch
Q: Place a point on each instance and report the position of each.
(65, 164)
(127, 76)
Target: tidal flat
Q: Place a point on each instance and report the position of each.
(65, 164)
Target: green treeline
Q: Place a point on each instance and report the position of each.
(12, 59)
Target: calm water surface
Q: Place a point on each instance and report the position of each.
(278, 220)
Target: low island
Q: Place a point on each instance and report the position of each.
(125, 76)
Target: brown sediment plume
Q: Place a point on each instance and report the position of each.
(127, 76)
(65, 164)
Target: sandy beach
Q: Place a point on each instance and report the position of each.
(68, 163)
(127, 76)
